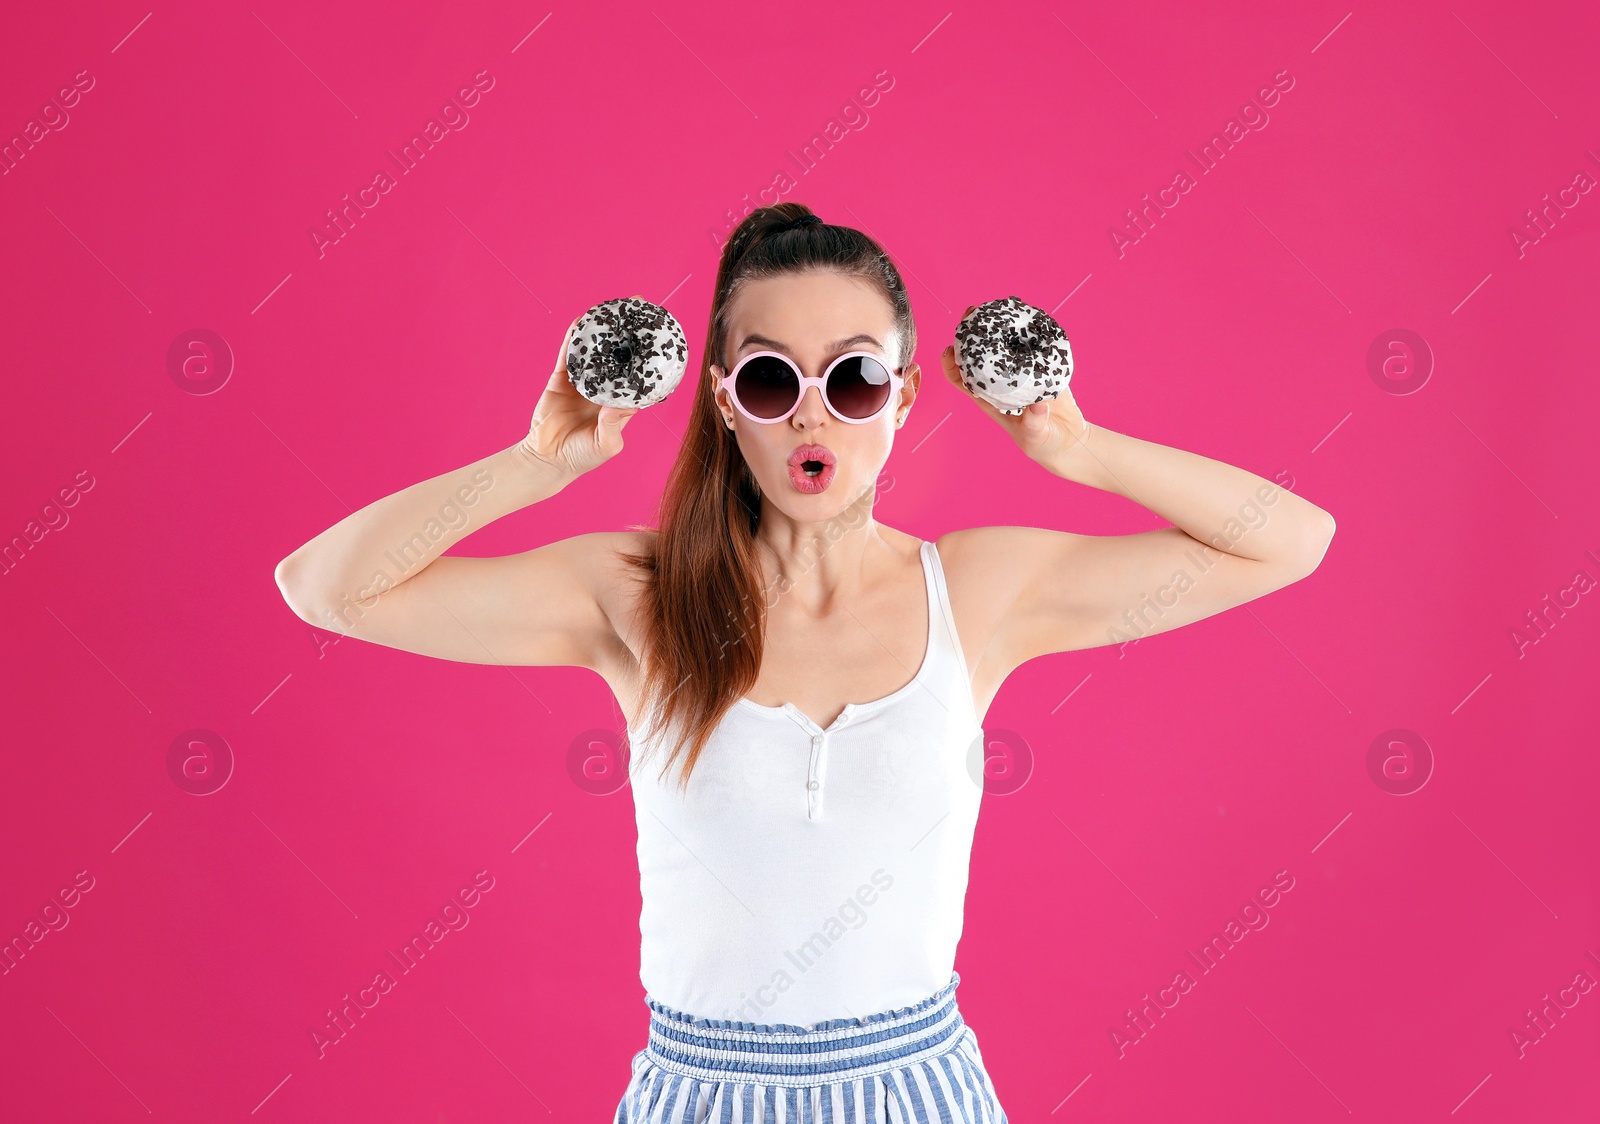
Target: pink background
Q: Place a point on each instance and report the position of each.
(368, 785)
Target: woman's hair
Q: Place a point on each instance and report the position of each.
(703, 604)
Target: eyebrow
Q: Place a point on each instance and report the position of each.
(836, 345)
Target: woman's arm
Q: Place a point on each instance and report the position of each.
(1235, 537)
(378, 573)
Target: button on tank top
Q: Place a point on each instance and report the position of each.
(812, 872)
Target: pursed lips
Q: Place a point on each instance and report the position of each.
(813, 458)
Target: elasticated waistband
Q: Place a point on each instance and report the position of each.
(785, 1054)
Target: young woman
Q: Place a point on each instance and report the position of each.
(808, 684)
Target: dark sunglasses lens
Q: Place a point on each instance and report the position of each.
(767, 386)
(859, 386)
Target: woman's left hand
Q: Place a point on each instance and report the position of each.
(1050, 432)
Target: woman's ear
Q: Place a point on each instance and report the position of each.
(716, 400)
(908, 391)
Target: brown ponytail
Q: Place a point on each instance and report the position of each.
(703, 607)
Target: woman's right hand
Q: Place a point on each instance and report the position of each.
(569, 432)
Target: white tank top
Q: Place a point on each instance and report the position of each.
(812, 873)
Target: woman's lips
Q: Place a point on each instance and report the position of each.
(817, 457)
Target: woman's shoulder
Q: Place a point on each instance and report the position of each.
(635, 540)
(613, 547)
(993, 548)
(983, 565)
(960, 548)
(967, 546)
(988, 567)
(617, 555)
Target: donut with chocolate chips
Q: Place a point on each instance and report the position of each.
(1012, 355)
(626, 353)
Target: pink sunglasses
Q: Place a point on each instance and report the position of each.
(767, 386)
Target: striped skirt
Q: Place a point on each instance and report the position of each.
(913, 1064)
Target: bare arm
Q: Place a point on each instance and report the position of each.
(1235, 537)
(378, 573)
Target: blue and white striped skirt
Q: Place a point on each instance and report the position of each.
(912, 1065)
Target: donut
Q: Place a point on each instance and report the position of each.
(626, 353)
(1012, 355)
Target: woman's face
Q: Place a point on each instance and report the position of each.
(814, 317)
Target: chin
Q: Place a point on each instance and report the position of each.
(840, 498)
